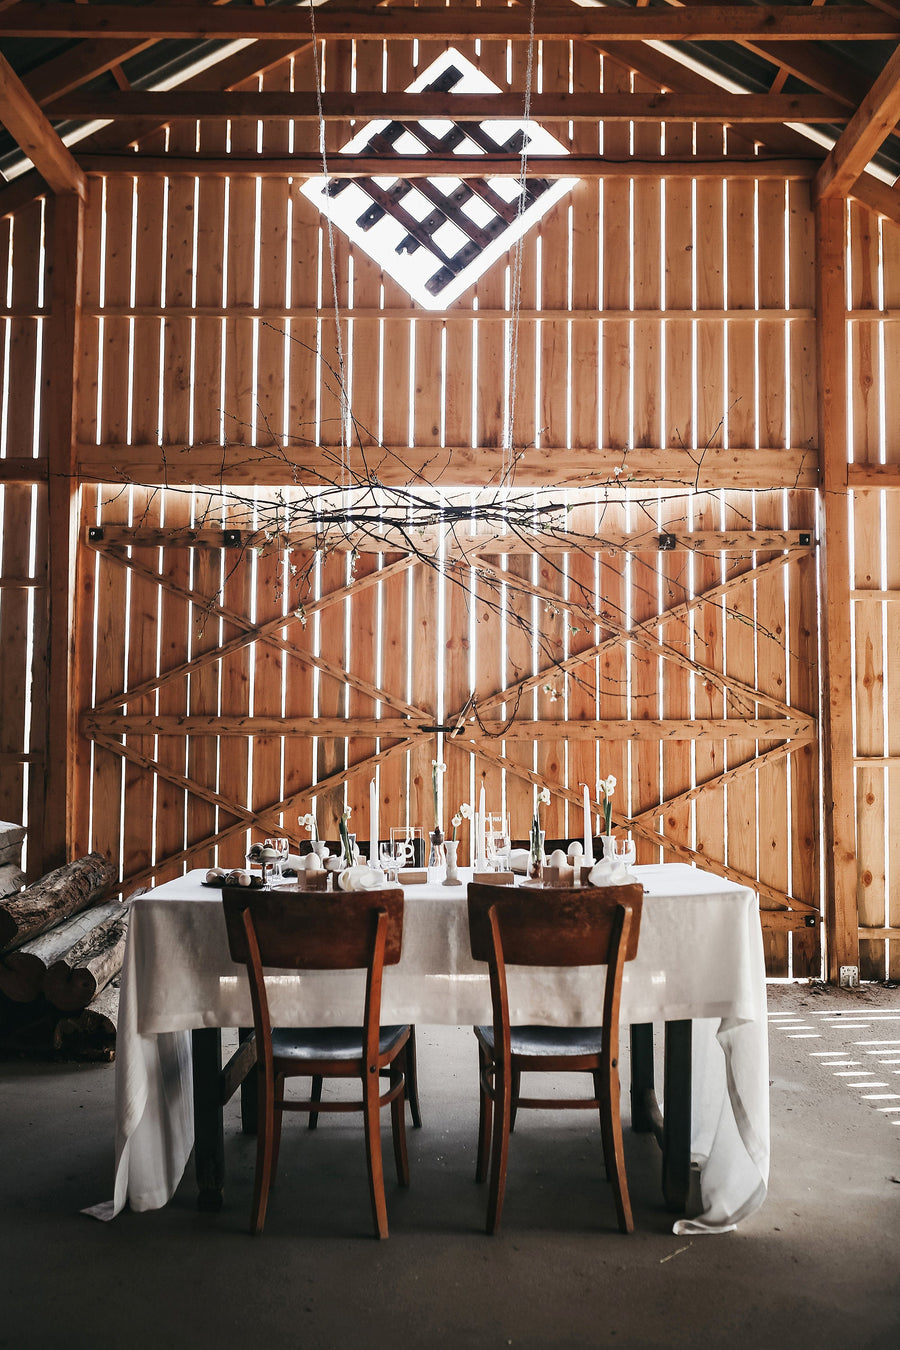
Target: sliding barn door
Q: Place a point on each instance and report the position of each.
(233, 678)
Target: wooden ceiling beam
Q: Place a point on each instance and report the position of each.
(870, 125)
(721, 106)
(456, 166)
(28, 126)
(718, 23)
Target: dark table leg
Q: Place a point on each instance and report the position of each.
(673, 1131)
(677, 1126)
(209, 1134)
(643, 1083)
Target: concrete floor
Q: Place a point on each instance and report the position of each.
(817, 1266)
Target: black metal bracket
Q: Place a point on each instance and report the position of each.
(447, 730)
(231, 538)
(809, 920)
(666, 543)
(95, 534)
(806, 539)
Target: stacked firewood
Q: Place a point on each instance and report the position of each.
(62, 944)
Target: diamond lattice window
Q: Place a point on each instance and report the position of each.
(436, 236)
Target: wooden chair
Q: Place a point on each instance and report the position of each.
(584, 926)
(360, 930)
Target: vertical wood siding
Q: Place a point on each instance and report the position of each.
(209, 323)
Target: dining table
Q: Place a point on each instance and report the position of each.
(699, 978)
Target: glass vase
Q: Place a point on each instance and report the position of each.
(437, 856)
(536, 858)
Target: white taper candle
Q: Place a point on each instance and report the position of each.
(588, 836)
(373, 825)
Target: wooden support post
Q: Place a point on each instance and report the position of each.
(60, 394)
(834, 531)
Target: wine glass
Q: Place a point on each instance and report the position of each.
(282, 848)
(402, 846)
(497, 841)
(392, 856)
(624, 854)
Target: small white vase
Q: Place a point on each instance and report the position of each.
(450, 847)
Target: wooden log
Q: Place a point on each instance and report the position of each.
(75, 979)
(60, 893)
(10, 834)
(92, 1034)
(12, 879)
(22, 971)
(11, 853)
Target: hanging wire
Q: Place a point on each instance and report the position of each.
(516, 298)
(341, 370)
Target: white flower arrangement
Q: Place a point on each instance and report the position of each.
(308, 822)
(605, 789)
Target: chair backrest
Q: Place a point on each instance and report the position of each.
(548, 926)
(314, 930)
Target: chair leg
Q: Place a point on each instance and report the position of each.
(614, 1150)
(516, 1075)
(412, 1080)
(276, 1129)
(398, 1127)
(484, 1118)
(599, 1090)
(265, 1138)
(500, 1149)
(315, 1095)
(372, 1114)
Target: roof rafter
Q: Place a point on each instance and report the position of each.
(75, 66)
(811, 62)
(870, 125)
(36, 138)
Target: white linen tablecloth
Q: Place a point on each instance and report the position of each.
(700, 956)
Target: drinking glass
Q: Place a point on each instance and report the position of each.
(392, 856)
(624, 854)
(497, 840)
(403, 845)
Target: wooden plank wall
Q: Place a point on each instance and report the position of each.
(874, 342)
(209, 321)
(23, 527)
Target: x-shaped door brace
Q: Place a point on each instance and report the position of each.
(103, 724)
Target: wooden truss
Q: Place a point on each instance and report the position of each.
(480, 727)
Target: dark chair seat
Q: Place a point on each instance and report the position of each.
(340, 1043)
(537, 1042)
